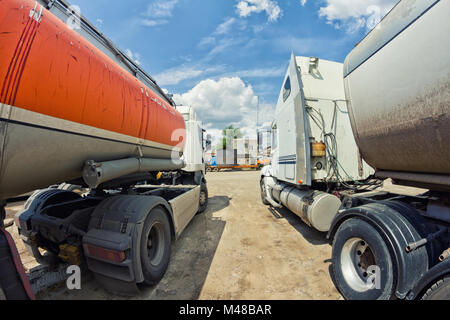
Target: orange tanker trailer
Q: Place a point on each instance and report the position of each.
(74, 107)
(64, 101)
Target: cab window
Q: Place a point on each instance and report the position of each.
(287, 89)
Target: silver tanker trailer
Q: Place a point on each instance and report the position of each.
(388, 118)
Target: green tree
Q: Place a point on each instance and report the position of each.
(229, 134)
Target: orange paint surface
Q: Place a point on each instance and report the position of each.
(50, 69)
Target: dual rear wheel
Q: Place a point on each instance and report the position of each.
(364, 269)
(362, 263)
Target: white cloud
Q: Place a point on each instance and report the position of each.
(176, 75)
(354, 15)
(258, 28)
(222, 45)
(153, 23)
(158, 12)
(261, 73)
(161, 8)
(219, 36)
(226, 99)
(223, 102)
(226, 26)
(246, 7)
(136, 57)
(206, 41)
(303, 2)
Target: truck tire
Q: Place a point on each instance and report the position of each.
(263, 194)
(155, 246)
(203, 198)
(359, 252)
(439, 291)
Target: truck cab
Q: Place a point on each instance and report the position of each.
(197, 142)
(313, 149)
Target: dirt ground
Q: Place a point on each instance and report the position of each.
(238, 249)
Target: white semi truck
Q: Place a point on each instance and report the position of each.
(385, 113)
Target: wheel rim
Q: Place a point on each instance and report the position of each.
(156, 244)
(357, 262)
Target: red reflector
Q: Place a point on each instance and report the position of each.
(106, 254)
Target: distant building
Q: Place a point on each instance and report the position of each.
(247, 151)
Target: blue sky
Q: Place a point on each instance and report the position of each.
(222, 56)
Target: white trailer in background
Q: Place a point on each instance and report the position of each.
(389, 105)
(247, 151)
